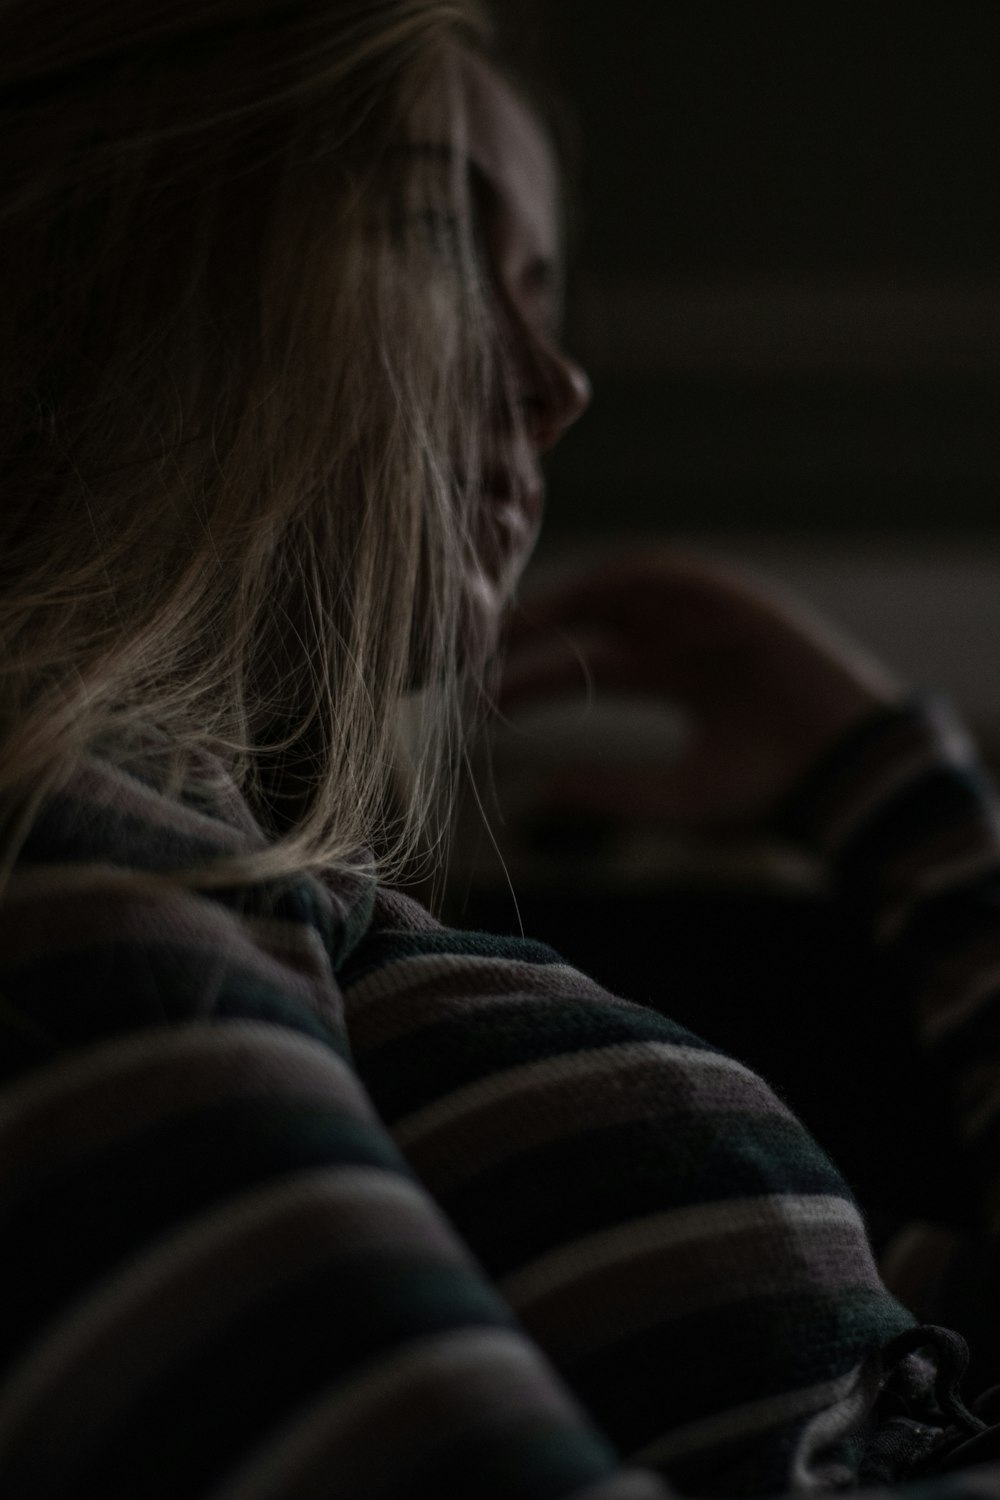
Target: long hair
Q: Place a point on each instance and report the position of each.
(242, 373)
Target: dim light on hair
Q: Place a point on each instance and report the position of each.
(241, 350)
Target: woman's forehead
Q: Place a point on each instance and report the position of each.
(472, 125)
(504, 134)
(507, 145)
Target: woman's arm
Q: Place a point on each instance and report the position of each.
(910, 825)
(795, 727)
(660, 1222)
(221, 1277)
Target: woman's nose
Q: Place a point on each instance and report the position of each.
(558, 392)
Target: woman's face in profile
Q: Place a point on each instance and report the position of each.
(512, 182)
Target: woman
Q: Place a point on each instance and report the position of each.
(305, 1194)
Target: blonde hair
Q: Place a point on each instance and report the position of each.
(242, 342)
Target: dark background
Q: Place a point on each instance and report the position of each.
(786, 281)
(785, 284)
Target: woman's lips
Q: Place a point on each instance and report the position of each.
(510, 518)
(525, 496)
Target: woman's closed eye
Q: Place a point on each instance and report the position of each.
(432, 229)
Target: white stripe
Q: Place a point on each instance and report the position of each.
(843, 826)
(34, 882)
(745, 1421)
(482, 1376)
(817, 1467)
(203, 1275)
(515, 975)
(957, 868)
(572, 1066)
(100, 784)
(944, 1015)
(195, 1041)
(218, 939)
(924, 886)
(629, 1484)
(667, 1231)
(975, 1120)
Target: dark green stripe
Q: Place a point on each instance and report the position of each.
(747, 1350)
(449, 1053)
(71, 831)
(382, 948)
(942, 799)
(844, 760)
(77, 1222)
(557, 1191)
(528, 1458)
(81, 998)
(244, 1381)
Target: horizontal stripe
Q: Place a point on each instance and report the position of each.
(557, 1125)
(741, 1422)
(923, 884)
(454, 1047)
(626, 1484)
(86, 1216)
(55, 881)
(717, 1359)
(563, 1190)
(103, 788)
(939, 859)
(687, 1227)
(953, 1002)
(203, 1416)
(872, 764)
(426, 1396)
(88, 1099)
(210, 937)
(475, 1127)
(980, 1098)
(869, 797)
(165, 1303)
(660, 1285)
(385, 1005)
(672, 1064)
(819, 1459)
(390, 943)
(442, 972)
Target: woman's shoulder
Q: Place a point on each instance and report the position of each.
(101, 933)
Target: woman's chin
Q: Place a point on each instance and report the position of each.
(485, 598)
(481, 610)
(489, 582)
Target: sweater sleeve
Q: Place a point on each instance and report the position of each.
(659, 1220)
(221, 1278)
(909, 823)
(226, 1278)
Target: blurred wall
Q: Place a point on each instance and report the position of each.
(786, 278)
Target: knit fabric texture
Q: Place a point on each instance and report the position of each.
(305, 1194)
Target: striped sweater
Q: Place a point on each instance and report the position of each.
(305, 1195)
